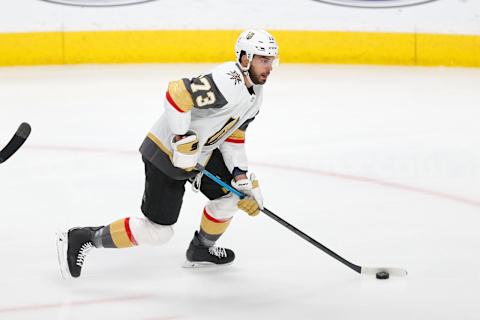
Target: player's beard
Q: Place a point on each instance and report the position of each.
(255, 76)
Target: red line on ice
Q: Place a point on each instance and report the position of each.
(72, 304)
(394, 185)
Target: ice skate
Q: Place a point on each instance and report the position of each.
(72, 248)
(202, 256)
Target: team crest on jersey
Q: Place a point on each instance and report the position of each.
(235, 76)
(217, 136)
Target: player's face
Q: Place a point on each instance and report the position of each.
(260, 68)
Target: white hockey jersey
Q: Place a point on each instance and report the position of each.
(217, 106)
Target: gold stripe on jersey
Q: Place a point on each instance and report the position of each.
(164, 149)
(238, 135)
(159, 144)
(180, 95)
(119, 234)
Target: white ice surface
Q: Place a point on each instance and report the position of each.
(381, 164)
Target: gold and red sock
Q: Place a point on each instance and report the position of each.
(116, 235)
(212, 228)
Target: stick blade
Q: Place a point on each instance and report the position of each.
(394, 272)
(23, 130)
(16, 142)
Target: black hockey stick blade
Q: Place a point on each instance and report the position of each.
(16, 142)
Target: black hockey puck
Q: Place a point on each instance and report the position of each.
(382, 275)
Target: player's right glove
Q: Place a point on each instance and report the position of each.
(185, 150)
(253, 202)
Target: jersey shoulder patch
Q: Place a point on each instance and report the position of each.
(229, 80)
(178, 96)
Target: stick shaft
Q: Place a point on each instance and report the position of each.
(283, 222)
(312, 241)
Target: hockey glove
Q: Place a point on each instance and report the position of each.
(185, 151)
(253, 202)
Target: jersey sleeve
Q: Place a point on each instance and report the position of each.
(233, 150)
(178, 103)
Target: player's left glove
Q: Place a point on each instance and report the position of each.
(253, 202)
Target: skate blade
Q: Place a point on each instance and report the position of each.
(203, 264)
(62, 247)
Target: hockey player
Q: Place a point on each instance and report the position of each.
(204, 121)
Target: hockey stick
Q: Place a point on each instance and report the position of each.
(398, 272)
(16, 142)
